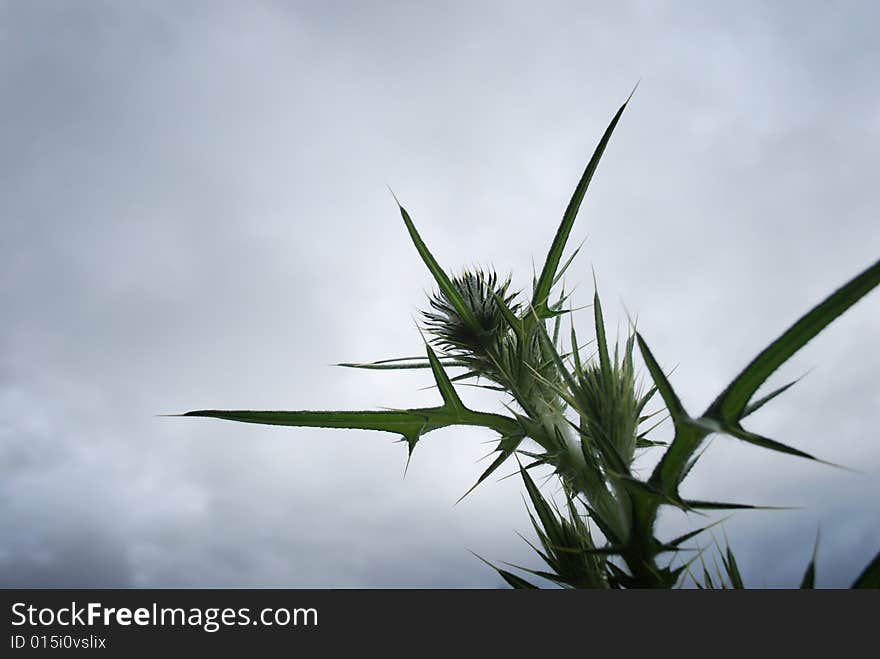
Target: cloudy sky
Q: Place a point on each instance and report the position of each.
(195, 215)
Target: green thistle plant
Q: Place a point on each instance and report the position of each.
(584, 419)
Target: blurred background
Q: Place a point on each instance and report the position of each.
(195, 215)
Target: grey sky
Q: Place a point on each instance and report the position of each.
(196, 215)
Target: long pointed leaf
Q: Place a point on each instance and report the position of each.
(758, 440)
(401, 363)
(568, 262)
(449, 291)
(733, 570)
(506, 447)
(673, 404)
(604, 360)
(758, 404)
(723, 505)
(511, 579)
(870, 576)
(809, 580)
(516, 582)
(542, 508)
(411, 423)
(508, 315)
(731, 403)
(447, 390)
(673, 466)
(672, 544)
(548, 273)
(547, 344)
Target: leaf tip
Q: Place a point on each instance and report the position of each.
(635, 87)
(396, 200)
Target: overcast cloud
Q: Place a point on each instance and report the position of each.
(195, 215)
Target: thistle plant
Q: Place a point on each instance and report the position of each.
(583, 418)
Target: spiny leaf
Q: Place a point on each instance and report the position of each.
(696, 504)
(731, 403)
(511, 579)
(732, 569)
(610, 550)
(549, 576)
(548, 273)
(617, 577)
(606, 526)
(547, 344)
(567, 263)
(542, 508)
(576, 353)
(809, 580)
(870, 576)
(604, 360)
(758, 404)
(707, 578)
(758, 440)
(491, 469)
(446, 288)
(506, 447)
(540, 553)
(469, 375)
(516, 582)
(672, 544)
(557, 320)
(673, 465)
(673, 404)
(646, 492)
(512, 320)
(410, 423)
(644, 401)
(447, 390)
(401, 363)
(614, 460)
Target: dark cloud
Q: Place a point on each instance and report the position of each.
(196, 216)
